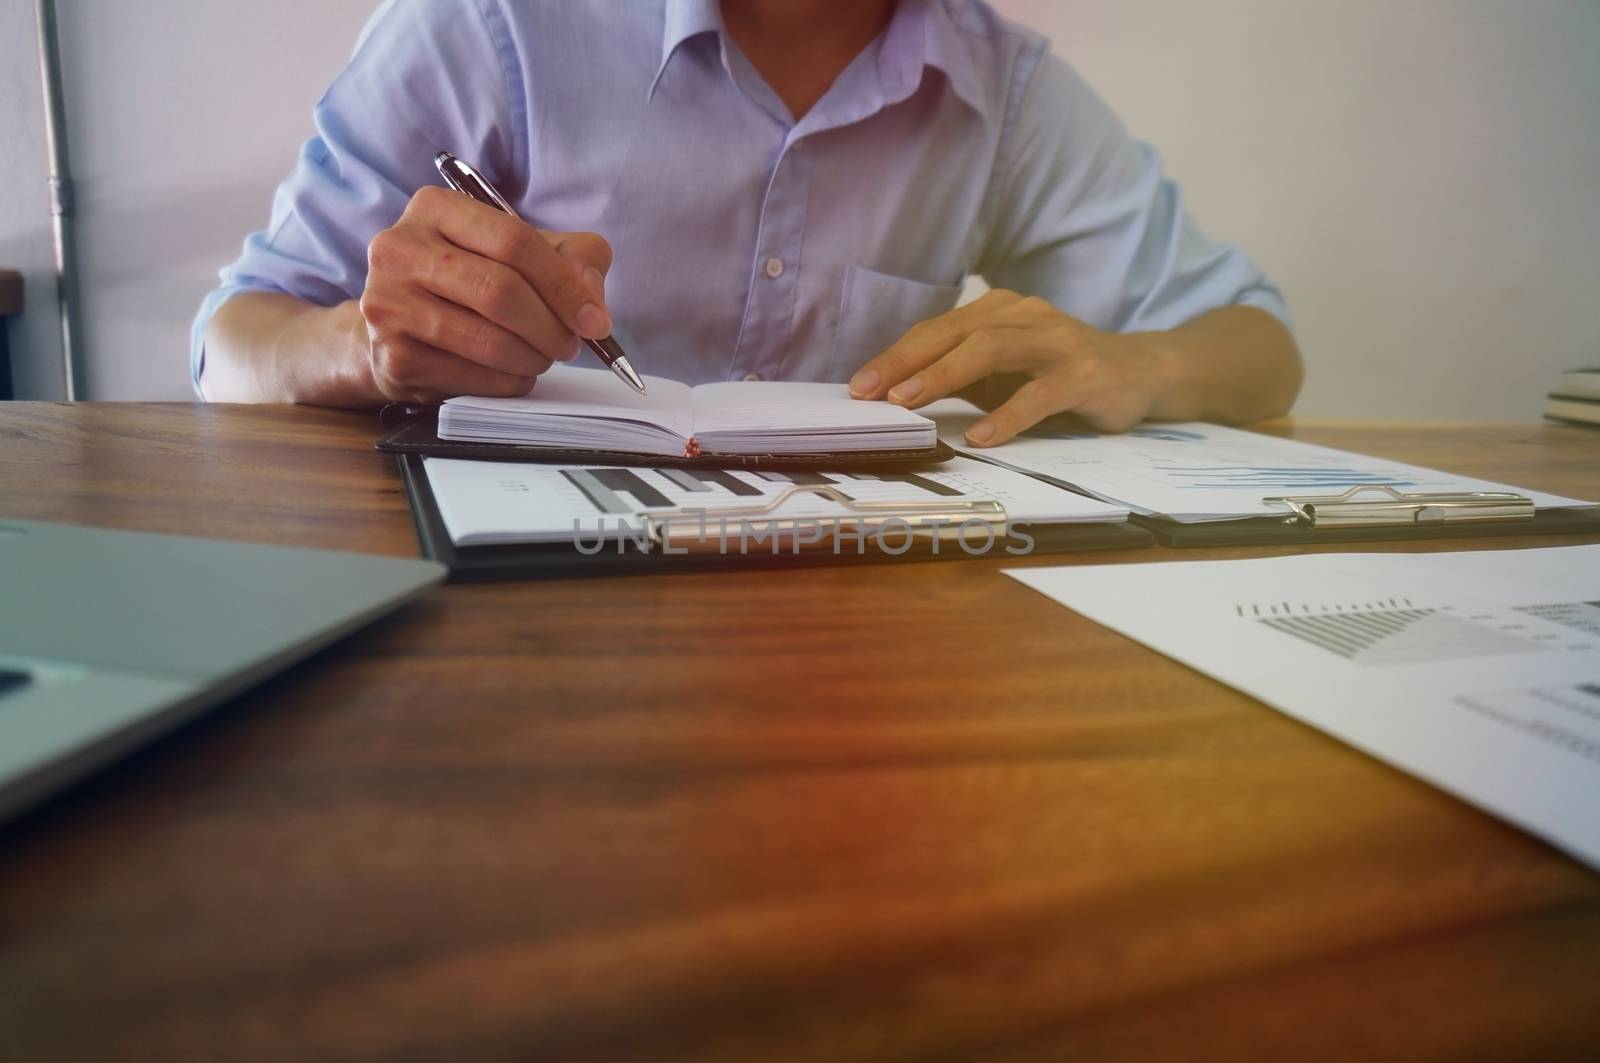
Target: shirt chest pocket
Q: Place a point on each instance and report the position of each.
(878, 309)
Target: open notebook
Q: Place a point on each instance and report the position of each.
(592, 410)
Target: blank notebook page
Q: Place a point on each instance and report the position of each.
(595, 393)
(782, 406)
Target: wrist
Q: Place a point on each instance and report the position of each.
(1160, 367)
(357, 378)
(327, 354)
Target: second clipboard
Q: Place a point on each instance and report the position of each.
(1378, 513)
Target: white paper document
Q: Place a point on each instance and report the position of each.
(1478, 671)
(489, 502)
(1195, 472)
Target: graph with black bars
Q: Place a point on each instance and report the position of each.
(488, 501)
(621, 491)
(1399, 631)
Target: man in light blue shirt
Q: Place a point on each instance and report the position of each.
(750, 189)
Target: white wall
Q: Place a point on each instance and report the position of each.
(1418, 175)
(184, 115)
(1421, 176)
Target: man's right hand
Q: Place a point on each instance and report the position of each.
(464, 299)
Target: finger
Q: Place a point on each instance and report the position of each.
(412, 371)
(443, 325)
(499, 293)
(1032, 403)
(924, 344)
(976, 357)
(589, 252)
(483, 230)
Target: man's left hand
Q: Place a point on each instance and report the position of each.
(1110, 380)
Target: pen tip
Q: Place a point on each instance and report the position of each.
(442, 158)
(624, 369)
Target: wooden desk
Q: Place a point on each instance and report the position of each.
(765, 825)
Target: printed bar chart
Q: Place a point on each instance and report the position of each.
(807, 479)
(1399, 636)
(726, 480)
(685, 481)
(911, 479)
(1286, 478)
(603, 487)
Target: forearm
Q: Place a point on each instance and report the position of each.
(1236, 365)
(271, 347)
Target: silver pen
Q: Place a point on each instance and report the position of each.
(468, 181)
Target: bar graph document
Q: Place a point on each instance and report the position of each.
(492, 502)
(1198, 472)
(1478, 671)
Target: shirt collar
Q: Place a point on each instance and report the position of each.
(923, 33)
(684, 19)
(947, 46)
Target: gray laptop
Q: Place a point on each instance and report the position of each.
(110, 638)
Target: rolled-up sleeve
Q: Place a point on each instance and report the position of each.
(1084, 217)
(426, 76)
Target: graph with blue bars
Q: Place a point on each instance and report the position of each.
(1287, 478)
(1213, 459)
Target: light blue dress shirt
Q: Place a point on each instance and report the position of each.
(749, 245)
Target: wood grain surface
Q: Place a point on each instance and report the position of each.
(898, 812)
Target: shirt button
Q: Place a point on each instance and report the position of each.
(751, 378)
(774, 268)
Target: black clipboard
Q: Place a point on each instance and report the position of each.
(562, 561)
(415, 430)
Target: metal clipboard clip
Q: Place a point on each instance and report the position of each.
(753, 528)
(1400, 508)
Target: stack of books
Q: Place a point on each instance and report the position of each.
(1576, 397)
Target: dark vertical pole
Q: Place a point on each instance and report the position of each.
(61, 206)
(10, 306)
